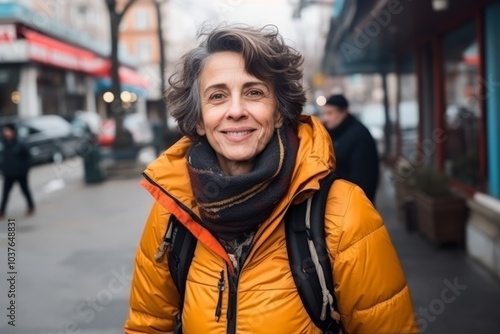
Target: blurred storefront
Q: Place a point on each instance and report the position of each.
(41, 72)
(445, 55)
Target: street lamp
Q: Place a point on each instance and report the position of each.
(439, 5)
(108, 97)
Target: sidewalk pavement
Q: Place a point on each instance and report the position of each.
(75, 259)
(452, 293)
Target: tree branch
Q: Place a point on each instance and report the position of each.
(127, 6)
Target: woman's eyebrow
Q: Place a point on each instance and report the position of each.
(254, 83)
(245, 85)
(215, 86)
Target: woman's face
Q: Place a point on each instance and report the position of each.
(238, 112)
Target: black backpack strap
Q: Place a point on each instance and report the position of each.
(182, 247)
(303, 269)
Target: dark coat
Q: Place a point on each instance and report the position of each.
(357, 156)
(16, 158)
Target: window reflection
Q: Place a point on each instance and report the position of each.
(461, 65)
(408, 108)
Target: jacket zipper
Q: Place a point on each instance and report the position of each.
(233, 287)
(231, 308)
(220, 287)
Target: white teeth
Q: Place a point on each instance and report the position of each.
(238, 133)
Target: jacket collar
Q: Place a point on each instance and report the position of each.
(167, 179)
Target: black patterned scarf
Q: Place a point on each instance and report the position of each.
(234, 205)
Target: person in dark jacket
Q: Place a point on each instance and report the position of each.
(355, 148)
(15, 167)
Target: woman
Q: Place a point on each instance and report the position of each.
(15, 167)
(247, 155)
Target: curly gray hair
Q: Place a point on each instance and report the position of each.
(267, 58)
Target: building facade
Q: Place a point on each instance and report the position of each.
(445, 56)
(139, 37)
(54, 58)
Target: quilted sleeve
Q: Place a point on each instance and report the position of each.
(153, 296)
(370, 285)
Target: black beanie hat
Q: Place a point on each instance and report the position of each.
(10, 126)
(338, 100)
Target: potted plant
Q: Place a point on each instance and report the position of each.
(441, 214)
(404, 179)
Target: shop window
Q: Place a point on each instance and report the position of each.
(51, 89)
(123, 25)
(79, 15)
(122, 47)
(141, 19)
(461, 66)
(8, 105)
(144, 50)
(408, 108)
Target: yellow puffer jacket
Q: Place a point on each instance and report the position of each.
(370, 286)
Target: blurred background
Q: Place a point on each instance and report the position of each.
(83, 82)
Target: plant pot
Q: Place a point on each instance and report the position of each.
(403, 194)
(410, 215)
(442, 219)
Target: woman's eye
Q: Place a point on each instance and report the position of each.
(255, 93)
(217, 96)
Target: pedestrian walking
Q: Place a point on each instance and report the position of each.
(355, 148)
(248, 156)
(15, 167)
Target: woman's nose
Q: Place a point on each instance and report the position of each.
(237, 109)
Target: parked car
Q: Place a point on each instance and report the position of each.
(86, 122)
(50, 138)
(136, 123)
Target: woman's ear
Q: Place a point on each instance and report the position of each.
(200, 128)
(278, 123)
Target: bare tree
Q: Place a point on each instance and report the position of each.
(116, 14)
(161, 45)
(115, 17)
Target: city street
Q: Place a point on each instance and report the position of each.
(74, 260)
(412, 85)
(74, 257)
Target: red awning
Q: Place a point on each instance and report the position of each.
(131, 77)
(127, 75)
(49, 51)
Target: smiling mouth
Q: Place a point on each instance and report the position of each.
(237, 133)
